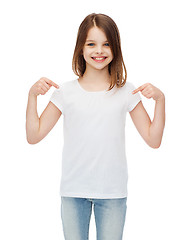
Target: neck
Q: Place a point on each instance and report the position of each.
(96, 76)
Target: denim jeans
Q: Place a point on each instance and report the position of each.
(109, 217)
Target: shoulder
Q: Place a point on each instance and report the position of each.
(66, 85)
(128, 87)
(65, 89)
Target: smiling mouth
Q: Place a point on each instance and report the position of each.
(99, 59)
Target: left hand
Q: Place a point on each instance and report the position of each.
(150, 91)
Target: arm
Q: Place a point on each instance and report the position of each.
(157, 126)
(32, 119)
(37, 128)
(151, 131)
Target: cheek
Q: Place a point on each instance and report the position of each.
(111, 55)
(86, 53)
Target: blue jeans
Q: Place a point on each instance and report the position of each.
(109, 217)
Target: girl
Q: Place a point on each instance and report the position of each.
(94, 107)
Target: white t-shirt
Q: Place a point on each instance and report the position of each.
(94, 163)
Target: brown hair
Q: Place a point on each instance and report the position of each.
(109, 27)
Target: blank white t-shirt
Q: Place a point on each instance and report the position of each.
(94, 163)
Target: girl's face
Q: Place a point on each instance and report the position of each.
(96, 51)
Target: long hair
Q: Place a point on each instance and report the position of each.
(116, 67)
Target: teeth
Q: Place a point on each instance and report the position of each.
(99, 58)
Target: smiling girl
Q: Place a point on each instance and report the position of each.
(94, 108)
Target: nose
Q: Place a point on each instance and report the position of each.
(99, 50)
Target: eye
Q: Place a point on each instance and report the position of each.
(90, 44)
(106, 44)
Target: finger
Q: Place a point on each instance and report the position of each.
(41, 89)
(135, 91)
(139, 88)
(54, 84)
(46, 85)
(44, 88)
(149, 95)
(51, 83)
(146, 91)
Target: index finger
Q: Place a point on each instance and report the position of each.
(51, 83)
(139, 88)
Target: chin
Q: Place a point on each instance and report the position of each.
(99, 66)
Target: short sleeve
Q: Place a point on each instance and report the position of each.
(57, 98)
(132, 99)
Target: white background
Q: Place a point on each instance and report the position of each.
(37, 40)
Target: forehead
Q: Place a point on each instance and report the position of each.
(96, 34)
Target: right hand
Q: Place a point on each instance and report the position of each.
(42, 86)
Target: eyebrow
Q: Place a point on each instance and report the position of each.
(94, 41)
